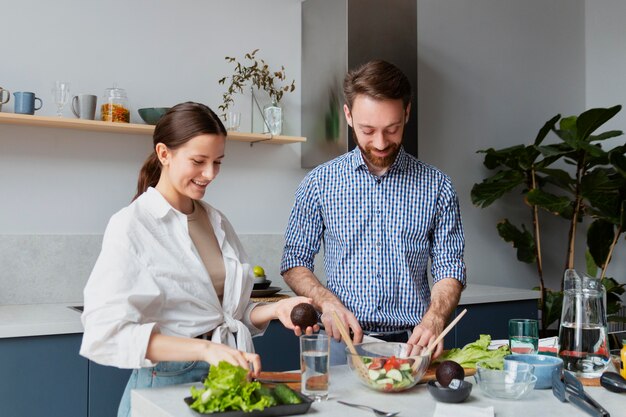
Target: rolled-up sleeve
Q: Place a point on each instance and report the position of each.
(116, 332)
(305, 228)
(448, 239)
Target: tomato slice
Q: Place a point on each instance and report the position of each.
(377, 363)
(392, 363)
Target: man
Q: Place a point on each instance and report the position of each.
(382, 214)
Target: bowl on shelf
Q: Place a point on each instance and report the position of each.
(151, 115)
(513, 382)
(262, 285)
(388, 367)
(543, 366)
(454, 393)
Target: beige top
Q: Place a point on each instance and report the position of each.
(203, 237)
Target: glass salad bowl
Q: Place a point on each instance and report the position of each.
(388, 367)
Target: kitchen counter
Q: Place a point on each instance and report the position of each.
(168, 402)
(48, 319)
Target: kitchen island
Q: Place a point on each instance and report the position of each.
(168, 402)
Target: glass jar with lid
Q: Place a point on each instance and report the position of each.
(115, 107)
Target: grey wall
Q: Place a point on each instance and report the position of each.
(490, 73)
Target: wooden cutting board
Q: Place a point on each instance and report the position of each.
(430, 373)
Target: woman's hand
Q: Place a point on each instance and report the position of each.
(282, 311)
(216, 352)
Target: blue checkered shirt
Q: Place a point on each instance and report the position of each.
(378, 233)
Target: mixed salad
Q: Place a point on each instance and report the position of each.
(389, 374)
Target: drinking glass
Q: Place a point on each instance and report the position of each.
(524, 335)
(233, 120)
(314, 354)
(61, 93)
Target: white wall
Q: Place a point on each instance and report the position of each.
(490, 73)
(162, 52)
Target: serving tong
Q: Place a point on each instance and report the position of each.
(571, 390)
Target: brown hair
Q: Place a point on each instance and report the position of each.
(377, 79)
(181, 123)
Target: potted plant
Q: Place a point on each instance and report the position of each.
(593, 186)
(257, 74)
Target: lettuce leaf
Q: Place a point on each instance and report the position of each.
(475, 352)
(227, 388)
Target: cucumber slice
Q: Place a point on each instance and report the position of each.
(384, 381)
(405, 367)
(374, 374)
(394, 374)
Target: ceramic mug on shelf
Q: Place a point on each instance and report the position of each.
(4, 93)
(84, 106)
(25, 102)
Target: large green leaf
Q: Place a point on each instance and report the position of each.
(592, 119)
(618, 160)
(553, 203)
(558, 177)
(522, 240)
(553, 306)
(606, 135)
(592, 267)
(492, 188)
(547, 127)
(599, 237)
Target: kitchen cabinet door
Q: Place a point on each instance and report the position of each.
(106, 386)
(43, 376)
(279, 348)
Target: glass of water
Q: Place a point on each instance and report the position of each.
(524, 336)
(314, 353)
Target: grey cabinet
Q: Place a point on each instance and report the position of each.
(43, 376)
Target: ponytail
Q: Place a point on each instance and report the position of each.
(148, 175)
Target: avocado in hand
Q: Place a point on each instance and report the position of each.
(304, 315)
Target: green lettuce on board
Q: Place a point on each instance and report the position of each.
(475, 352)
(227, 388)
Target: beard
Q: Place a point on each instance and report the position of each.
(377, 161)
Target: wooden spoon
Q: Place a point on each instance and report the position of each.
(432, 345)
(356, 358)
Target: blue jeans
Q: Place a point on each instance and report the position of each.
(162, 375)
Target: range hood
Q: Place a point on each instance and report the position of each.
(338, 35)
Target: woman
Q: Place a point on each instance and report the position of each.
(170, 291)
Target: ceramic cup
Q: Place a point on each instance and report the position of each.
(5, 96)
(84, 106)
(25, 102)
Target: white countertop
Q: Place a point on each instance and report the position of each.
(168, 402)
(47, 319)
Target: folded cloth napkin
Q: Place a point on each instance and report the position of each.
(461, 410)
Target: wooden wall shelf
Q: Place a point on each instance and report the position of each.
(129, 128)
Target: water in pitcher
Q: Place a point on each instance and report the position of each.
(583, 342)
(314, 368)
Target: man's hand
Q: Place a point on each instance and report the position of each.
(445, 297)
(424, 334)
(347, 318)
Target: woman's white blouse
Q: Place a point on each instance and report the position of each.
(150, 278)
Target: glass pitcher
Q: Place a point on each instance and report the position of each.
(583, 341)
